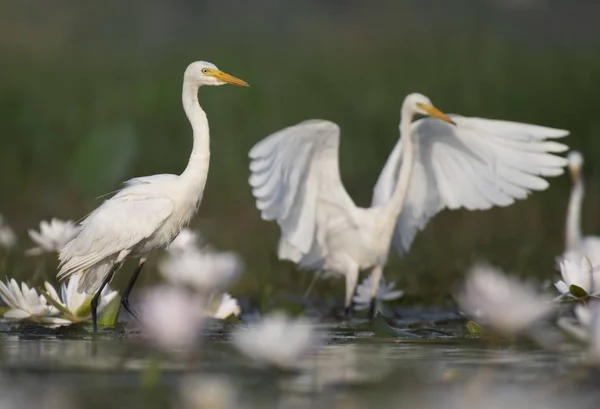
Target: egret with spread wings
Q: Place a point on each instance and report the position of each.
(150, 211)
(439, 162)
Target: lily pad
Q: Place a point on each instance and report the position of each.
(382, 328)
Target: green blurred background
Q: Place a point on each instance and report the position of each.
(90, 96)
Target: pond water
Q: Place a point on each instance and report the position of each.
(354, 369)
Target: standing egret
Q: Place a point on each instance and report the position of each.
(149, 211)
(576, 246)
(439, 162)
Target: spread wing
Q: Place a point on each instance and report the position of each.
(295, 178)
(118, 224)
(477, 164)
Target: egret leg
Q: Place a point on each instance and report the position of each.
(125, 298)
(351, 279)
(376, 275)
(94, 302)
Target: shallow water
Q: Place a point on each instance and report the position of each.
(354, 369)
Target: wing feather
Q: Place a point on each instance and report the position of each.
(294, 174)
(477, 164)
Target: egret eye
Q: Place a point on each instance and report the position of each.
(204, 70)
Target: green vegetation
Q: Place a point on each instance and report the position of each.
(78, 118)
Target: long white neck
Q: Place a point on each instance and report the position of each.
(196, 170)
(573, 227)
(395, 204)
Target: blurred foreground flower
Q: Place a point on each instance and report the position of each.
(579, 281)
(187, 240)
(277, 341)
(8, 238)
(76, 306)
(172, 318)
(26, 304)
(386, 292)
(206, 271)
(52, 236)
(225, 306)
(201, 392)
(504, 303)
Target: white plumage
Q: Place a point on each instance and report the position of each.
(463, 162)
(149, 211)
(577, 246)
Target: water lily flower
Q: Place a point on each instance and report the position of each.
(504, 303)
(8, 238)
(578, 280)
(25, 303)
(52, 236)
(207, 271)
(226, 307)
(186, 241)
(76, 304)
(172, 318)
(277, 341)
(386, 292)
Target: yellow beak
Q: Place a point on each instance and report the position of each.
(436, 113)
(230, 79)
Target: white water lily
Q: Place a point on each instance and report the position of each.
(492, 298)
(277, 341)
(8, 238)
(207, 271)
(226, 307)
(187, 240)
(76, 303)
(172, 318)
(25, 303)
(52, 236)
(386, 292)
(578, 280)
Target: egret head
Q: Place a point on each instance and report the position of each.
(205, 73)
(416, 103)
(575, 159)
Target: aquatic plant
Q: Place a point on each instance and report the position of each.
(74, 305)
(491, 298)
(8, 239)
(224, 307)
(172, 318)
(25, 303)
(277, 341)
(204, 270)
(385, 292)
(579, 281)
(52, 236)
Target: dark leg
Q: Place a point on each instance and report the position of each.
(125, 298)
(372, 310)
(349, 312)
(94, 303)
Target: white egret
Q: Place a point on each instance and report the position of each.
(149, 211)
(439, 162)
(576, 246)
